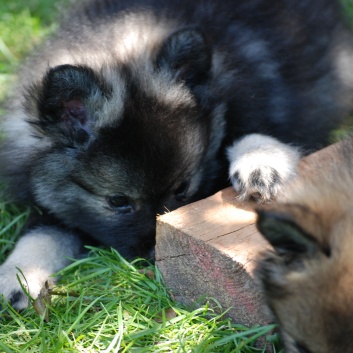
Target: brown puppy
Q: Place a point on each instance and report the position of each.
(308, 279)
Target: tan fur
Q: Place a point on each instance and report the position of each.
(311, 294)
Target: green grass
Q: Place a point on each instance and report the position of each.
(12, 220)
(106, 304)
(23, 24)
(102, 303)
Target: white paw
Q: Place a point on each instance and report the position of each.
(38, 255)
(260, 165)
(32, 280)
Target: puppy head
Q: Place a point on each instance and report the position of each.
(126, 142)
(307, 281)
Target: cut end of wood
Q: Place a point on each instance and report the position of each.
(209, 249)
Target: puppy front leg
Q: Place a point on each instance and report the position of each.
(260, 165)
(38, 254)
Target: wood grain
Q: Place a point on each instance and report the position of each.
(209, 249)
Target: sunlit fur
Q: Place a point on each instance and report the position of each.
(310, 293)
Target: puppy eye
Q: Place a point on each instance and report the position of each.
(119, 203)
(181, 191)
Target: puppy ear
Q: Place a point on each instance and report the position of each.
(187, 55)
(285, 234)
(60, 100)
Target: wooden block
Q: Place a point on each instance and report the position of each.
(209, 248)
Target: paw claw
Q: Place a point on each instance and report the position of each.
(259, 167)
(261, 185)
(18, 300)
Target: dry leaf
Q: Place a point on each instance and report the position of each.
(41, 303)
(149, 273)
(167, 313)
